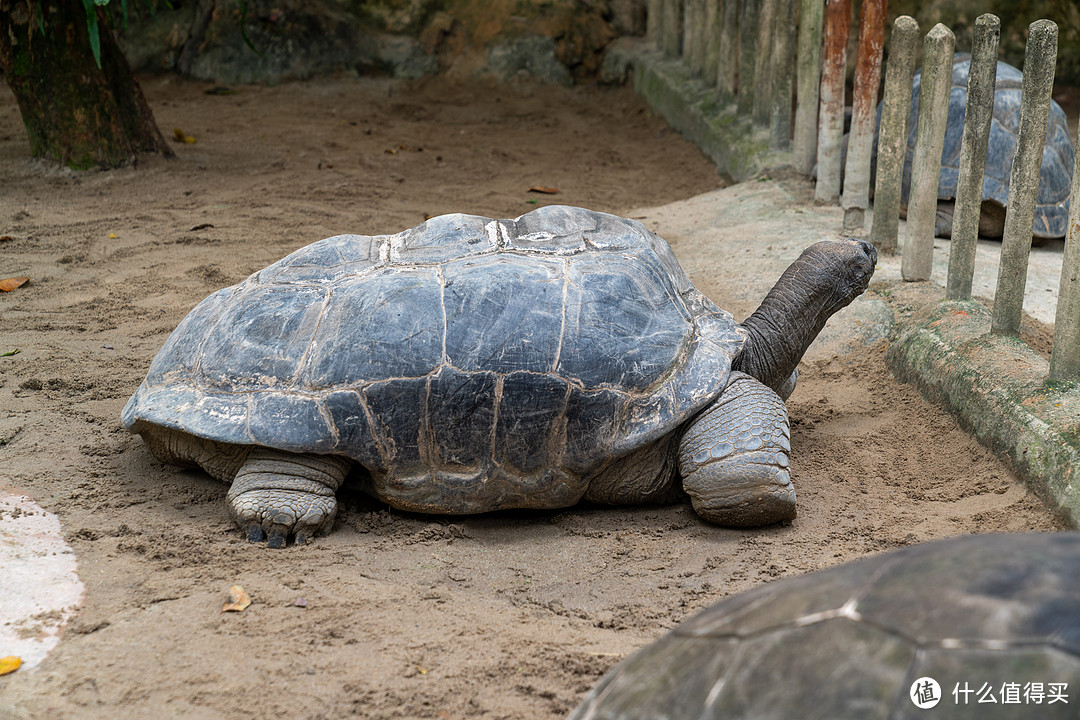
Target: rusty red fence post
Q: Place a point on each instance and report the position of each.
(831, 117)
(856, 198)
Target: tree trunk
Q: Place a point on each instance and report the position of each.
(74, 111)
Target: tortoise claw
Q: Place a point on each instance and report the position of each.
(276, 536)
(271, 517)
(254, 533)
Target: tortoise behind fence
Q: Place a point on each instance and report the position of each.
(1055, 177)
(469, 365)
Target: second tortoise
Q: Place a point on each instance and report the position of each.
(1055, 175)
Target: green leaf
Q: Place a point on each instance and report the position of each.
(9, 353)
(92, 29)
(243, 28)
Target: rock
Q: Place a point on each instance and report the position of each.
(530, 56)
(618, 61)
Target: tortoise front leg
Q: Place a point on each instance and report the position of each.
(734, 457)
(278, 493)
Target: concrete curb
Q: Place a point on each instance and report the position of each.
(997, 387)
(739, 149)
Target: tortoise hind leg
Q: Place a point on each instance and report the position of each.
(278, 493)
(217, 459)
(734, 457)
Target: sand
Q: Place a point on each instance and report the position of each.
(512, 615)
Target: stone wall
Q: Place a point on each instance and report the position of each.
(264, 41)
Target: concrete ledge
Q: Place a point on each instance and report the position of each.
(738, 148)
(997, 388)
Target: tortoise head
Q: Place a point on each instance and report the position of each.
(834, 271)
(823, 280)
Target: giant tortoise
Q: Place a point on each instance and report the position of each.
(982, 626)
(469, 365)
(1055, 176)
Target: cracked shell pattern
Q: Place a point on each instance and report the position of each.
(849, 641)
(469, 364)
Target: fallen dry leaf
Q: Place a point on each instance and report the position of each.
(183, 137)
(238, 600)
(399, 148)
(544, 190)
(9, 284)
(9, 664)
(6, 238)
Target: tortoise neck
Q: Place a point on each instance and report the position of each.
(782, 328)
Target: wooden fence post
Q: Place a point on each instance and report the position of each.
(671, 28)
(653, 21)
(712, 42)
(918, 252)
(1065, 356)
(763, 71)
(893, 133)
(692, 35)
(782, 60)
(1040, 56)
(831, 115)
(748, 14)
(856, 196)
(727, 60)
(811, 17)
(979, 114)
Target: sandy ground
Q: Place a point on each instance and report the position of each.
(513, 615)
